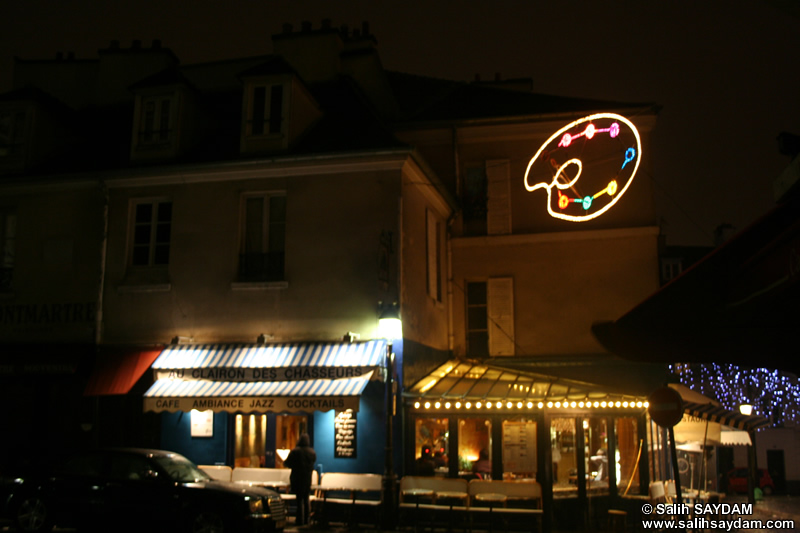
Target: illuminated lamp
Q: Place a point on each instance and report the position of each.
(447, 405)
(478, 405)
(540, 405)
(427, 405)
(529, 405)
(437, 405)
(746, 409)
(283, 453)
(458, 405)
(416, 405)
(467, 405)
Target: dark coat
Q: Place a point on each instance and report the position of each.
(301, 460)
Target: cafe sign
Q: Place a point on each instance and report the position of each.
(252, 404)
(292, 373)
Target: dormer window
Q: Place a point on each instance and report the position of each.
(266, 110)
(156, 122)
(12, 131)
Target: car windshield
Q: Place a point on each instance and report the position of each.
(180, 469)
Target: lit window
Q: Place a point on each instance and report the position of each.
(152, 230)
(263, 238)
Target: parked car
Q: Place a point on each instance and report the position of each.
(138, 490)
(737, 481)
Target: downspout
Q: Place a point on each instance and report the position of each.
(98, 329)
(450, 220)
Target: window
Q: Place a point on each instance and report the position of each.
(8, 237)
(431, 440)
(12, 131)
(490, 318)
(596, 460)
(475, 447)
(670, 268)
(155, 123)
(263, 238)
(266, 110)
(477, 320)
(250, 440)
(152, 230)
(565, 462)
(626, 431)
(475, 200)
(434, 256)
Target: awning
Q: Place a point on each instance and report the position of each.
(735, 437)
(271, 362)
(117, 369)
(265, 396)
(460, 381)
(726, 417)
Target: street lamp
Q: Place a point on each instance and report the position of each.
(390, 328)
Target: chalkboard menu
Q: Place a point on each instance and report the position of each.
(519, 446)
(344, 428)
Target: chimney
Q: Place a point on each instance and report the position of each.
(114, 45)
(136, 44)
(365, 28)
(326, 24)
(306, 25)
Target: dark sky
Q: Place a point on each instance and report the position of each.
(725, 72)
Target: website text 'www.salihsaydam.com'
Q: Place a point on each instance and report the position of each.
(721, 516)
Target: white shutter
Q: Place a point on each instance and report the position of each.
(501, 316)
(498, 177)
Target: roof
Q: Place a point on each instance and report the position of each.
(738, 305)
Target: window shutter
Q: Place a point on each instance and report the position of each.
(501, 316)
(498, 220)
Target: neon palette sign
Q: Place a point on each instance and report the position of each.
(586, 166)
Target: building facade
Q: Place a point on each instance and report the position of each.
(221, 239)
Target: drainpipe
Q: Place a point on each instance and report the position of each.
(98, 335)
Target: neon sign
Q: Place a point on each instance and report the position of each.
(604, 148)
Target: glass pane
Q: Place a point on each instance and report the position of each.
(165, 212)
(476, 318)
(254, 225)
(163, 232)
(141, 255)
(430, 446)
(475, 447)
(595, 437)
(565, 464)
(161, 255)
(627, 452)
(519, 449)
(251, 440)
(288, 429)
(259, 107)
(144, 213)
(476, 293)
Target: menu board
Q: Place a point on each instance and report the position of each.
(519, 446)
(344, 437)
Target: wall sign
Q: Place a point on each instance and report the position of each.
(202, 423)
(344, 427)
(586, 166)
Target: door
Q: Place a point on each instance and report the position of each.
(777, 469)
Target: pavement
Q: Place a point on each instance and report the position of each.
(774, 507)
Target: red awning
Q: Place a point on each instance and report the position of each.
(117, 369)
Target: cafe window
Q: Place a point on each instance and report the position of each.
(565, 463)
(519, 449)
(431, 438)
(595, 437)
(627, 434)
(475, 447)
(288, 429)
(251, 438)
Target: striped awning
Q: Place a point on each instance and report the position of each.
(270, 362)
(174, 395)
(726, 417)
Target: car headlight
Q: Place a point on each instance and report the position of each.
(256, 506)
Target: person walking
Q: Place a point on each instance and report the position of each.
(301, 460)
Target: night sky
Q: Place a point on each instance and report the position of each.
(725, 72)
